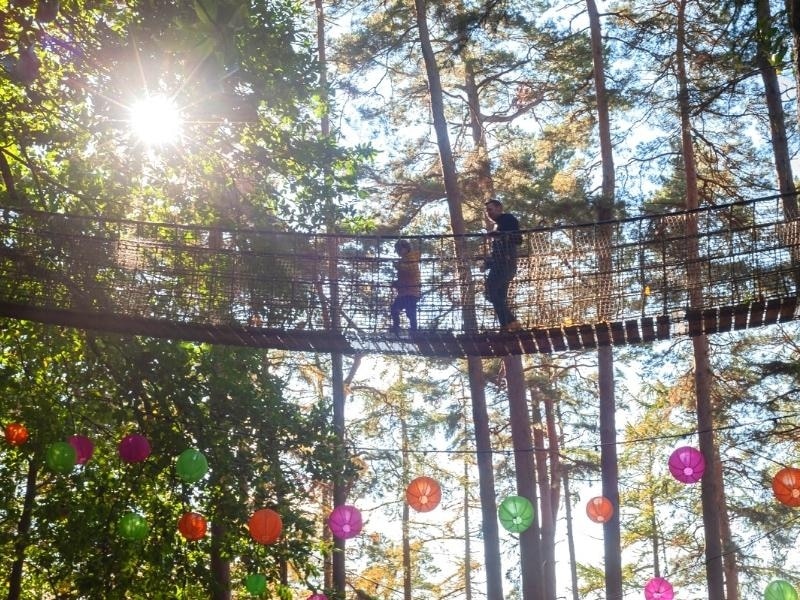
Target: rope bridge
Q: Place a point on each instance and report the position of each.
(577, 287)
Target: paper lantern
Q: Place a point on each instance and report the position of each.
(658, 588)
(600, 509)
(192, 526)
(515, 513)
(423, 494)
(687, 464)
(780, 590)
(256, 584)
(265, 526)
(84, 448)
(16, 434)
(345, 522)
(317, 597)
(134, 448)
(191, 465)
(133, 527)
(60, 457)
(786, 486)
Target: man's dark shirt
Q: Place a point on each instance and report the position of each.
(505, 238)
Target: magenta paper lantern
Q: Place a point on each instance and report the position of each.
(134, 448)
(317, 597)
(345, 521)
(658, 588)
(84, 447)
(687, 464)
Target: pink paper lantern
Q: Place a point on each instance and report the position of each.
(658, 588)
(317, 597)
(687, 464)
(345, 521)
(84, 448)
(134, 448)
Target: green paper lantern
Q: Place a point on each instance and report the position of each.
(516, 513)
(133, 526)
(256, 584)
(191, 466)
(780, 590)
(61, 457)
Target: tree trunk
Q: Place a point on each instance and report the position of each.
(483, 447)
(531, 563)
(703, 375)
(772, 96)
(605, 357)
(548, 536)
(467, 536)
(23, 531)
(337, 367)
(220, 566)
(491, 538)
(407, 593)
(793, 17)
(730, 563)
(573, 561)
(777, 128)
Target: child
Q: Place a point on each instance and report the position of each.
(407, 285)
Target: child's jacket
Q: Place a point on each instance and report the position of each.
(408, 276)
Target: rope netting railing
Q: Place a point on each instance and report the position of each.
(269, 288)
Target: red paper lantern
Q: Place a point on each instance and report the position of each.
(600, 509)
(84, 448)
(345, 522)
(16, 434)
(134, 448)
(265, 526)
(192, 526)
(423, 494)
(786, 486)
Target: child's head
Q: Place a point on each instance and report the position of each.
(402, 246)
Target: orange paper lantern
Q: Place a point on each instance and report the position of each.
(423, 494)
(192, 526)
(600, 509)
(265, 526)
(16, 434)
(786, 486)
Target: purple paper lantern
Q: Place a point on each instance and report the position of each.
(317, 597)
(345, 521)
(134, 448)
(84, 448)
(687, 464)
(658, 588)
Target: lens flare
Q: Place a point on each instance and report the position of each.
(156, 120)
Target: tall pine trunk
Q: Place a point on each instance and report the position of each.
(337, 362)
(531, 563)
(23, 531)
(703, 376)
(548, 523)
(407, 592)
(491, 537)
(605, 357)
(533, 576)
(793, 17)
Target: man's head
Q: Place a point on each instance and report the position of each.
(402, 246)
(493, 208)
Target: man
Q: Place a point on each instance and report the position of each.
(502, 262)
